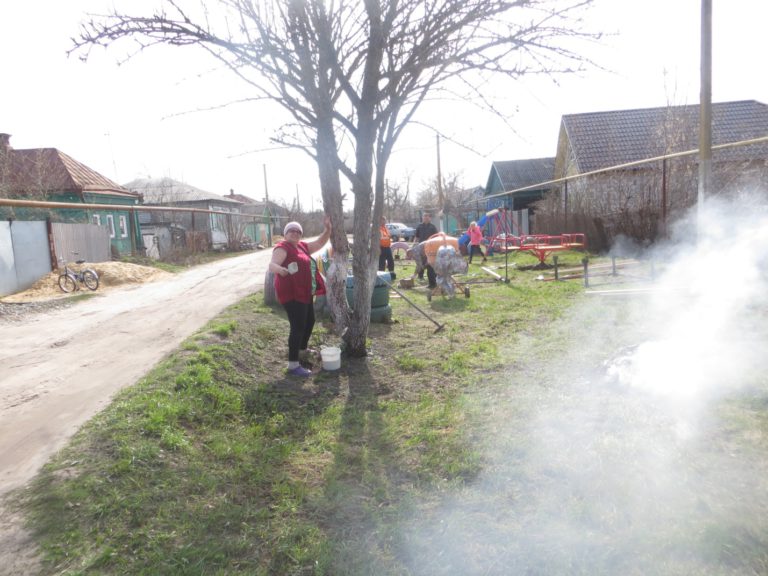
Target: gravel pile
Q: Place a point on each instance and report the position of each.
(18, 312)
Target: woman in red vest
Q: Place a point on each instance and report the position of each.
(292, 266)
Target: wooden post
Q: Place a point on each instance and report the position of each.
(132, 232)
(565, 208)
(440, 199)
(705, 106)
(664, 197)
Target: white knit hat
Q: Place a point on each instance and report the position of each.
(292, 226)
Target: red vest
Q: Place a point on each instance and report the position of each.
(296, 286)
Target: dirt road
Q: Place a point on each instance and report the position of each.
(60, 368)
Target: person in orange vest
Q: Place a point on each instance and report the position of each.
(385, 249)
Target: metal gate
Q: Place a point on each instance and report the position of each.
(88, 242)
(25, 253)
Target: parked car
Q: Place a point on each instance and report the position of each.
(399, 230)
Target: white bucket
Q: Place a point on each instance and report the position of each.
(331, 357)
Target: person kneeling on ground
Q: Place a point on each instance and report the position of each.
(292, 266)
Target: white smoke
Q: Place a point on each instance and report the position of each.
(618, 457)
(708, 310)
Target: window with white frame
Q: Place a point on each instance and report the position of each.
(123, 223)
(96, 219)
(111, 225)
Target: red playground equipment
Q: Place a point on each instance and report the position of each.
(506, 236)
(540, 245)
(501, 225)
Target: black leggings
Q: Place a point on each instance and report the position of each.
(302, 319)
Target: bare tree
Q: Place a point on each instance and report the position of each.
(33, 174)
(6, 186)
(352, 74)
(455, 194)
(397, 200)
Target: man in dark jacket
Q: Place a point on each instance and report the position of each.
(423, 232)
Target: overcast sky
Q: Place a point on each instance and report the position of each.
(130, 121)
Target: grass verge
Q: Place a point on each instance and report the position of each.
(218, 463)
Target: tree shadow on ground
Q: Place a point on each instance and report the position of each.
(363, 476)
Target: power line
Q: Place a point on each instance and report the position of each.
(625, 165)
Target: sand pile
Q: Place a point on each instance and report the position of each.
(111, 275)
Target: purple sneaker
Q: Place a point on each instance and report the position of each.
(300, 371)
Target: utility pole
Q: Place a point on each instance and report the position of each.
(266, 205)
(705, 107)
(664, 197)
(440, 187)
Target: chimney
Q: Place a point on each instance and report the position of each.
(5, 142)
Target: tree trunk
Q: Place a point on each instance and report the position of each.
(336, 276)
(270, 297)
(357, 335)
(363, 270)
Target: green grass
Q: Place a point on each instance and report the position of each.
(217, 463)
(224, 329)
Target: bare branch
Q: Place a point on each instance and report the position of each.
(353, 74)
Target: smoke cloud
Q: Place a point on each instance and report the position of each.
(642, 448)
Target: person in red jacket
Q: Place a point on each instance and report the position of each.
(292, 266)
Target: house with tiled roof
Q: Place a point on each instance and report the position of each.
(511, 176)
(636, 197)
(211, 224)
(516, 185)
(595, 140)
(50, 175)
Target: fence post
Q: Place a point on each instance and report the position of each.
(132, 229)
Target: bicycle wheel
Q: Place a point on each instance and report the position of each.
(90, 279)
(67, 283)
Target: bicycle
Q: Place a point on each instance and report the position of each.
(71, 278)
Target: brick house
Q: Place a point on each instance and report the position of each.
(638, 198)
